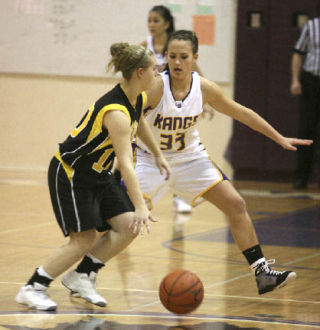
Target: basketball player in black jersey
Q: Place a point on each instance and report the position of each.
(85, 196)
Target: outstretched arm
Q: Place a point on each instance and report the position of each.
(216, 98)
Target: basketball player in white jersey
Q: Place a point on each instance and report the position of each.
(160, 25)
(175, 104)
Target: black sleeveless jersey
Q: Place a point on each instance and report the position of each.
(88, 153)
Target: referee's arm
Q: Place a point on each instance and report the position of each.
(296, 64)
(300, 50)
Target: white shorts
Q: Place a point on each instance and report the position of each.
(189, 179)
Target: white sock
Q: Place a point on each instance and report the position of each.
(94, 259)
(42, 272)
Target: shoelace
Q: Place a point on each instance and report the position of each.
(264, 267)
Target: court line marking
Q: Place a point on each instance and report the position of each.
(144, 305)
(228, 281)
(303, 258)
(247, 275)
(27, 228)
(21, 182)
(237, 319)
(206, 287)
(25, 214)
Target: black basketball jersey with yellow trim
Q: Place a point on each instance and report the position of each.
(88, 150)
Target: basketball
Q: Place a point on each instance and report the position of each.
(181, 291)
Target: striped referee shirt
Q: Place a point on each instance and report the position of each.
(309, 44)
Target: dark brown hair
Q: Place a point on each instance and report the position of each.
(185, 35)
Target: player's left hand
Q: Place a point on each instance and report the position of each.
(163, 166)
(290, 143)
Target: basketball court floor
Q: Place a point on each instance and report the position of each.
(287, 223)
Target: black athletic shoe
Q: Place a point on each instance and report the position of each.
(268, 279)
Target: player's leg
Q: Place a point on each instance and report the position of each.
(228, 200)
(81, 281)
(116, 209)
(201, 178)
(181, 206)
(73, 223)
(33, 293)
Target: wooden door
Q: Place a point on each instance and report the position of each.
(266, 34)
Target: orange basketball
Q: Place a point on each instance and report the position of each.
(181, 291)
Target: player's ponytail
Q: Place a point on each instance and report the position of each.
(127, 58)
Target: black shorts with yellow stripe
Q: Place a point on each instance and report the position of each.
(80, 205)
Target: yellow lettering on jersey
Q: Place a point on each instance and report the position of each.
(98, 166)
(78, 129)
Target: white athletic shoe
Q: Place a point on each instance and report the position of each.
(180, 206)
(82, 285)
(35, 296)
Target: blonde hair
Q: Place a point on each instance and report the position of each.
(127, 58)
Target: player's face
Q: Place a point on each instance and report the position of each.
(180, 58)
(156, 24)
(149, 73)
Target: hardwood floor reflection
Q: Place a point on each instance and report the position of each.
(287, 222)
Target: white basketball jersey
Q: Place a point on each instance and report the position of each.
(174, 123)
(160, 58)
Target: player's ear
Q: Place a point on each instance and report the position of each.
(195, 56)
(139, 72)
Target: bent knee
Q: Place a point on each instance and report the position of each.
(83, 240)
(238, 206)
(123, 224)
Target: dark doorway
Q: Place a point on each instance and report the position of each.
(266, 33)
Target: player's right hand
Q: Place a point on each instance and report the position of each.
(141, 220)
